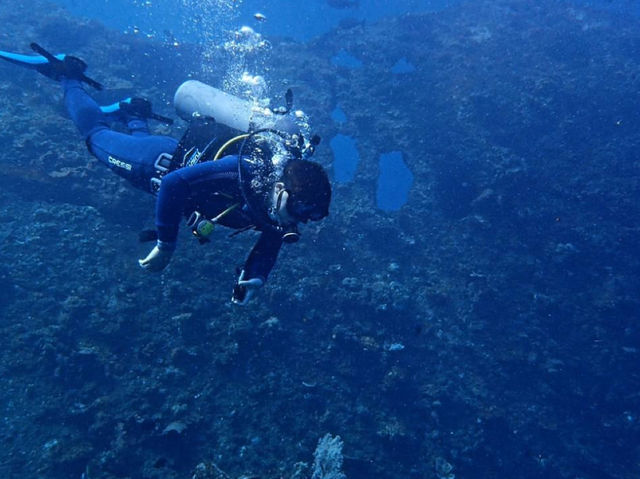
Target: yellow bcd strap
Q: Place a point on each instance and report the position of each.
(228, 144)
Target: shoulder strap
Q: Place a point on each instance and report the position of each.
(201, 142)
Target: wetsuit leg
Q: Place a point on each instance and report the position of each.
(138, 126)
(129, 156)
(83, 109)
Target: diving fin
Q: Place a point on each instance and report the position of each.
(28, 61)
(68, 66)
(52, 66)
(138, 107)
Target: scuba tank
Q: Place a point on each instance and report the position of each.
(194, 98)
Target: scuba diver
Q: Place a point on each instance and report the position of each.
(238, 173)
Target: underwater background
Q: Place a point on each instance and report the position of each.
(469, 309)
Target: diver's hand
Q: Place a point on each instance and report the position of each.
(245, 289)
(158, 258)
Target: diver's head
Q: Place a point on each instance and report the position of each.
(303, 194)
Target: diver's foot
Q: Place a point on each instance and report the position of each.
(138, 107)
(141, 108)
(67, 66)
(70, 67)
(131, 108)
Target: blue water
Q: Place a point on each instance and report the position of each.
(403, 66)
(394, 182)
(346, 60)
(345, 158)
(298, 20)
(338, 115)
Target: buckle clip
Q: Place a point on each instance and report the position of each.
(162, 166)
(163, 163)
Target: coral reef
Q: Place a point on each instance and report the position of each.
(327, 458)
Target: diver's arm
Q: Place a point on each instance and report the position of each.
(263, 255)
(170, 203)
(257, 267)
(177, 189)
